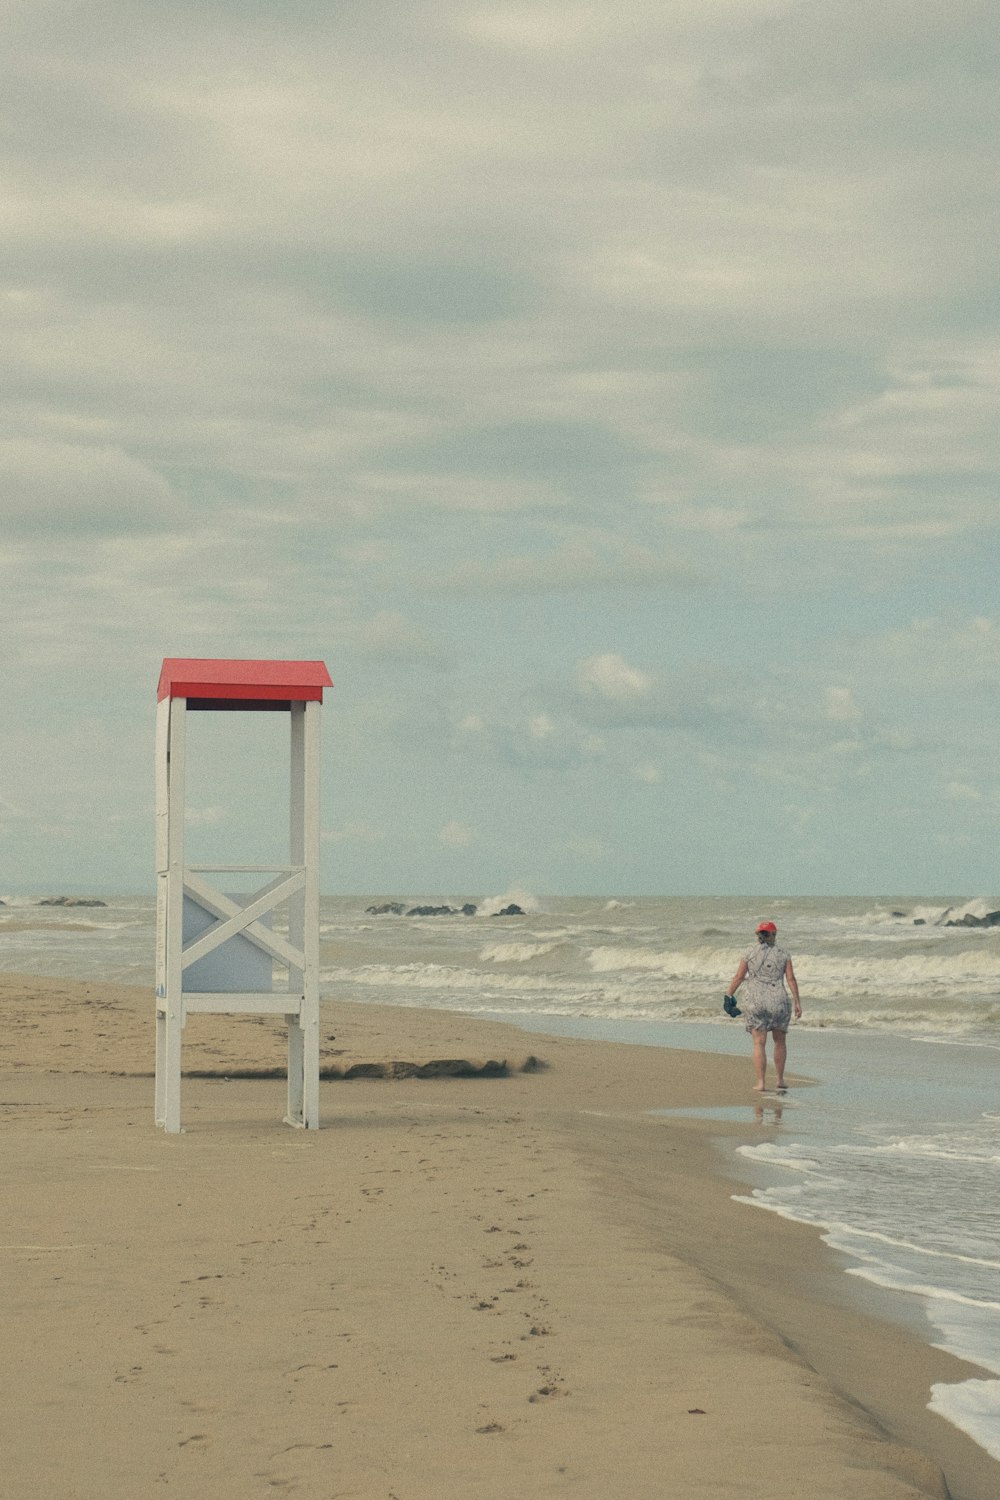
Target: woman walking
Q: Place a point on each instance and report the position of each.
(766, 1005)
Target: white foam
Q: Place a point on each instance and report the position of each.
(927, 977)
(779, 1156)
(937, 916)
(848, 1235)
(973, 1407)
(899, 1281)
(968, 1333)
(921, 974)
(514, 896)
(696, 963)
(515, 953)
(783, 1210)
(438, 977)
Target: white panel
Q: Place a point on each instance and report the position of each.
(244, 917)
(234, 966)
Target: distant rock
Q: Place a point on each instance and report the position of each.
(442, 911)
(397, 909)
(975, 913)
(513, 910)
(71, 901)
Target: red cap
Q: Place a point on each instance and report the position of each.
(766, 927)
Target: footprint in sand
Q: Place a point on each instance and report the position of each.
(553, 1386)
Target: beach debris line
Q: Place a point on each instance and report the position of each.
(438, 1067)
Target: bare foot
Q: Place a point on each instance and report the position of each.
(758, 1088)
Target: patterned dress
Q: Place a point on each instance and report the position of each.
(764, 999)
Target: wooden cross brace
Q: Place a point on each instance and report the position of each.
(233, 919)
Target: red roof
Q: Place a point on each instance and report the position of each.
(259, 681)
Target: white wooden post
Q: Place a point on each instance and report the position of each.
(170, 914)
(296, 918)
(303, 918)
(162, 870)
(296, 687)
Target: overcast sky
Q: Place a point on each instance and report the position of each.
(607, 393)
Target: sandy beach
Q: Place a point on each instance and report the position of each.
(471, 1287)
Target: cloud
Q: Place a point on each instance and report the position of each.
(529, 744)
(610, 676)
(961, 791)
(541, 727)
(77, 487)
(954, 658)
(456, 835)
(840, 706)
(523, 343)
(358, 831)
(204, 817)
(574, 567)
(591, 851)
(336, 278)
(389, 636)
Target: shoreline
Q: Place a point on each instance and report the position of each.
(635, 1267)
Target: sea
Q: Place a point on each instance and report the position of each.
(893, 1152)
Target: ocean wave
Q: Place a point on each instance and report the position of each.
(696, 963)
(439, 977)
(783, 1210)
(913, 973)
(925, 914)
(847, 1237)
(936, 916)
(968, 1333)
(936, 1148)
(515, 895)
(825, 975)
(779, 1156)
(516, 953)
(644, 995)
(897, 1280)
(953, 1020)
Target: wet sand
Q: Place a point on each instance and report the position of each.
(459, 1287)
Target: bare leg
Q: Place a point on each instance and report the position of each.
(780, 1053)
(759, 1058)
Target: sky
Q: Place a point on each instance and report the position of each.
(607, 394)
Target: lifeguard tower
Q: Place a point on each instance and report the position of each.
(216, 952)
